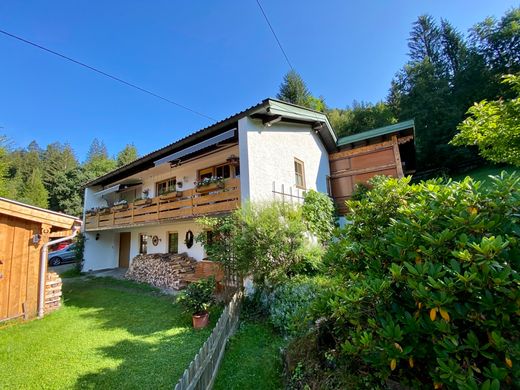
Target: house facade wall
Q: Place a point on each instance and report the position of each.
(187, 173)
(268, 154)
(104, 252)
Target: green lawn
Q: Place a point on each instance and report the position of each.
(109, 334)
(252, 359)
(483, 173)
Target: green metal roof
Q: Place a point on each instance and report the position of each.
(376, 132)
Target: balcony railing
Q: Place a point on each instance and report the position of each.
(182, 204)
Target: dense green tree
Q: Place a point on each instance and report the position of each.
(294, 90)
(360, 117)
(498, 41)
(33, 191)
(494, 127)
(97, 163)
(97, 150)
(58, 161)
(127, 155)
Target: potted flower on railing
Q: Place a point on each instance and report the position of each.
(93, 211)
(120, 205)
(170, 194)
(208, 184)
(142, 201)
(104, 210)
(197, 298)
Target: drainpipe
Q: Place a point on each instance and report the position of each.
(43, 266)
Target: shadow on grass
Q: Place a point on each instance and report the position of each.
(144, 365)
(160, 344)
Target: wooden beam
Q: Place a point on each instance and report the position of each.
(363, 170)
(397, 155)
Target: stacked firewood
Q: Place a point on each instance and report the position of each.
(52, 292)
(161, 270)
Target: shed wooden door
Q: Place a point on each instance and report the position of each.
(124, 249)
(19, 267)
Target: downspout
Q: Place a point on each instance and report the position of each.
(43, 266)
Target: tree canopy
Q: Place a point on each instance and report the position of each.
(494, 127)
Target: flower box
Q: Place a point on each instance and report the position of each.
(142, 202)
(104, 211)
(120, 207)
(170, 195)
(210, 187)
(91, 213)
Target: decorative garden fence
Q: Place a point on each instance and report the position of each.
(202, 371)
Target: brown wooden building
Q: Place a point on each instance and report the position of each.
(386, 150)
(24, 230)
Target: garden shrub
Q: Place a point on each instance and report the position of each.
(265, 240)
(430, 284)
(288, 303)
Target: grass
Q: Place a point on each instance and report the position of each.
(483, 173)
(109, 334)
(252, 359)
(71, 273)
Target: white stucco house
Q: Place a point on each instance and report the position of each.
(269, 151)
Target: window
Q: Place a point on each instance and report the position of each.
(143, 244)
(225, 171)
(205, 173)
(173, 243)
(166, 186)
(130, 194)
(299, 173)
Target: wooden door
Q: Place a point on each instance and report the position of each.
(19, 267)
(124, 249)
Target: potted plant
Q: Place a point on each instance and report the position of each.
(104, 210)
(197, 298)
(208, 184)
(120, 205)
(93, 211)
(167, 195)
(142, 201)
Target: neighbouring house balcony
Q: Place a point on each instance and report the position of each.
(214, 198)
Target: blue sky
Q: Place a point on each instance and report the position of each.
(215, 57)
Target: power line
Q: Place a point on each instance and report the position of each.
(106, 75)
(275, 36)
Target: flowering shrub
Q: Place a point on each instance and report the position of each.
(430, 284)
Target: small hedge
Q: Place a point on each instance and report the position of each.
(430, 294)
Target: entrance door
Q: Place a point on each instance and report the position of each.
(124, 249)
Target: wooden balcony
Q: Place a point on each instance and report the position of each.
(191, 203)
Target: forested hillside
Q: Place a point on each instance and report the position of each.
(52, 177)
(447, 71)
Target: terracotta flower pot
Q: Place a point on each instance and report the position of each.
(200, 320)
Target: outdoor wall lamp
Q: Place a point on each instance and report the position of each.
(97, 236)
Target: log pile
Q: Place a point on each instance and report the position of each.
(52, 292)
(162, 270)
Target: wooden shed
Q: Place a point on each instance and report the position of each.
(386, 150)
(24, 230)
